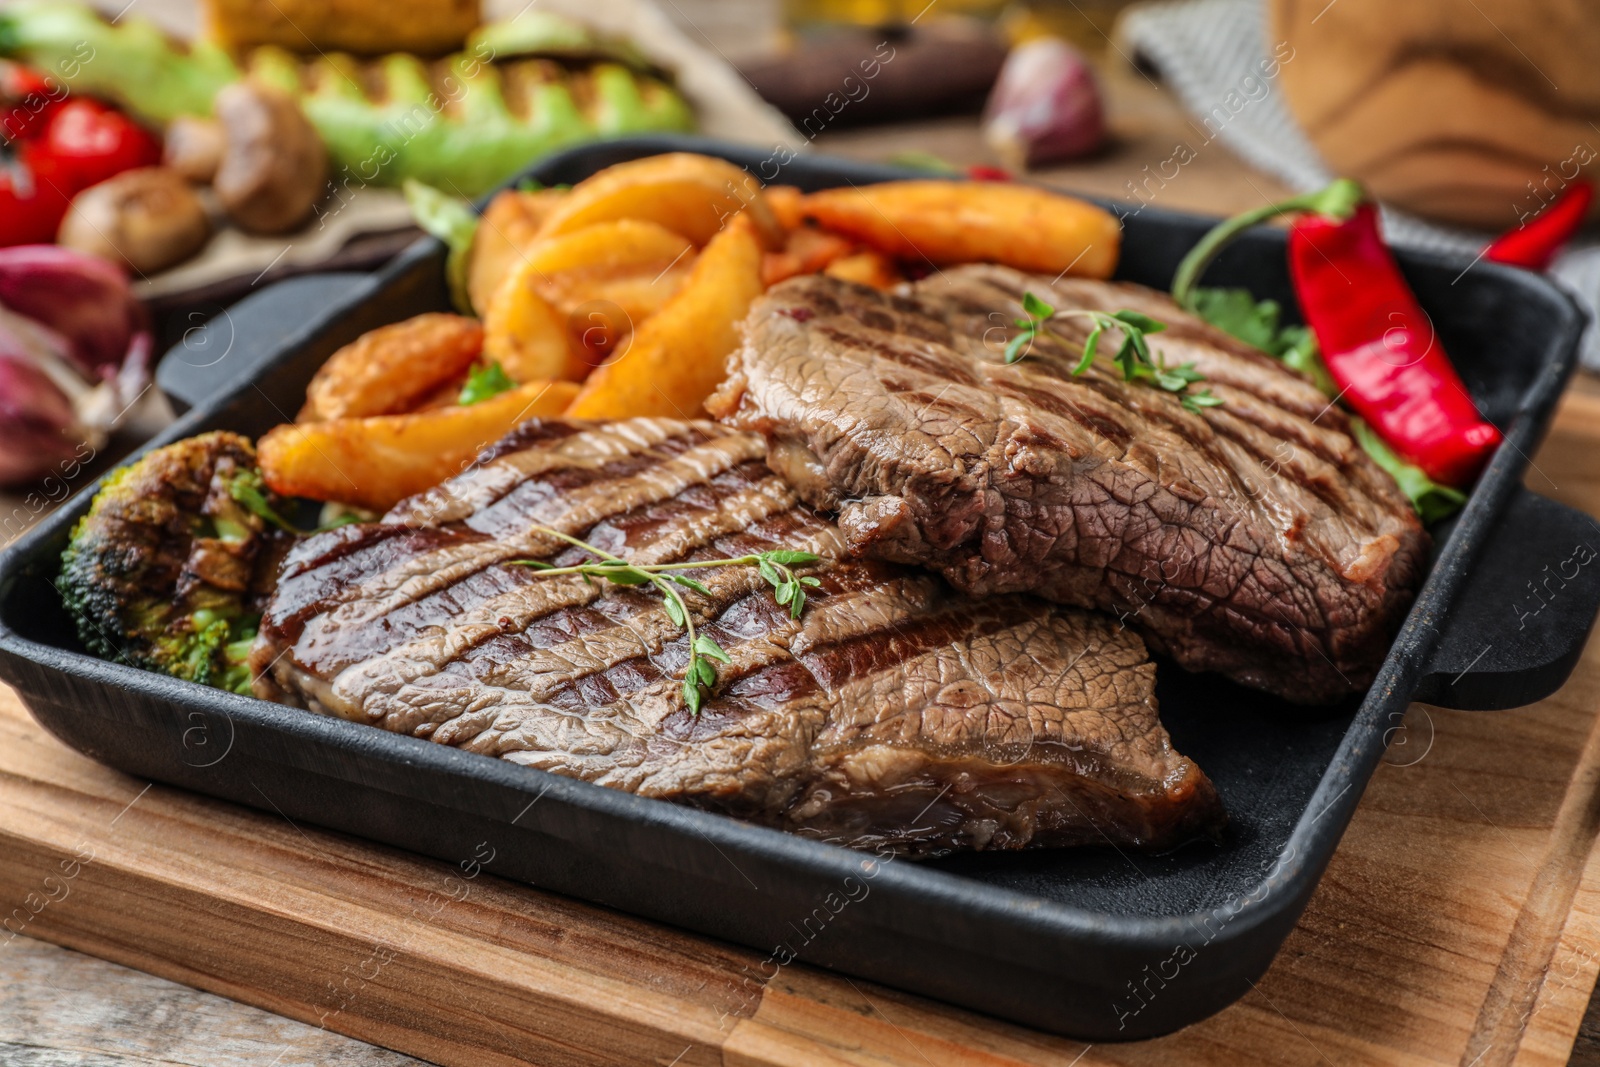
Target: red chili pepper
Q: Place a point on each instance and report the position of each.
(1378, 344)
(979, 172)
(1381, 348)
(1534, 244)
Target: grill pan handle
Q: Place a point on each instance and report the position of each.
(1524, 612)
(229, 347)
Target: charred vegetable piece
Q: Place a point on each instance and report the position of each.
(464, 123)
(131, 61)
(164, 572)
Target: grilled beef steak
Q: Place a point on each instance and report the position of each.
(1255, 539)
(893, 711)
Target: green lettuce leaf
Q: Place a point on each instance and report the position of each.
(452, 221)
(1258, 323)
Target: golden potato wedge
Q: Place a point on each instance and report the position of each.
(509, 227)
(805, 251)
(866, 268)
(788, 204)
(617, 246)
(944, 222)
(689, 194)
(527, 335)
(637, 265)
(637, 296)
(600, 331)
(679, 355)
(376, 462)
(615, 273)
(390, 370)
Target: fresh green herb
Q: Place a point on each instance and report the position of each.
(452, 221)
(916, 159)
(249, 491)
(699, 676)
(1256, 322)
(1133, 356)
(484, 381)
(534, 185)
(1432, 500)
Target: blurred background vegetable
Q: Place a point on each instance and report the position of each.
(146, 219)
(466, 122)
(74, 357)
(1045, 107)
(38, 427)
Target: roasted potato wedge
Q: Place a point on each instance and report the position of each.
(376, 462)
(634, 264)
(528, 336)
(805, 251)
(509, 227)
(866, 268)
(788, 204)
(392, 369)
(679, 355)
(942, 222)
(563, 286)
(689, 194)
(616, 246)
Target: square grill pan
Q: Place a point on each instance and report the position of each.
(1095, 943)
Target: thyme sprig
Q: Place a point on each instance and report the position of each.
(700, 675)
(1133, 356)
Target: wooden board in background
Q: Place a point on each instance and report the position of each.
(1459, 921)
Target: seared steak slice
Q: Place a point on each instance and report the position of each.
(1255, 539)
(893, 711)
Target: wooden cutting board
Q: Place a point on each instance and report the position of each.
(1459, 922)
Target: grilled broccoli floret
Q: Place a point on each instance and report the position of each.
(163, 572)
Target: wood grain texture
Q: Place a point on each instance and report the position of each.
(1391, 963)
(1460, 917)
(1455, 111)
(64, 1009)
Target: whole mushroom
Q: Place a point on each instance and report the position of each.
(273, 164)
(148, 219)
(193, 146)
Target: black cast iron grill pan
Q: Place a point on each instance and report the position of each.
(1095, 943)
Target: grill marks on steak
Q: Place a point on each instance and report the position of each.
(893, 711)
(1255, 539)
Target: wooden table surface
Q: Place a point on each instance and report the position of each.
(1459, 922)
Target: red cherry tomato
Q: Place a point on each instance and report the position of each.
(93, 142)
(59, 149)
(27, 100)
(34, 196)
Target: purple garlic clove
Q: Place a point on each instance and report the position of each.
(83, 298)
(1045, 107)
(39, 430)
